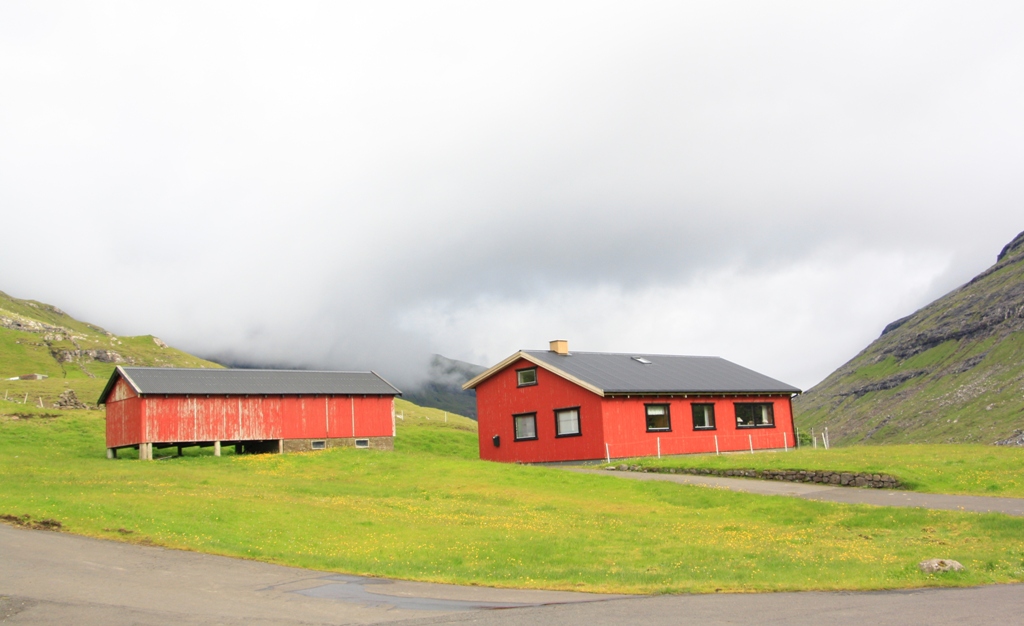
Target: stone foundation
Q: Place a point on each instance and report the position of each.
(306, 445)
(846, 479)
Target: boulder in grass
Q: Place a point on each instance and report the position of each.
(933, 566)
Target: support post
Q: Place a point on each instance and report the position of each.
(216, 448)
(238, 448)
(180, 451)
(751, 438)
(280, 446)
(716, 445)
(111, 453)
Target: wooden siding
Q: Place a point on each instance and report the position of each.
(627, 436)
(173, 419)
(124, 416)
(499, 398)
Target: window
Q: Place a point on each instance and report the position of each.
(362, 443)
(318, 445)
(755, 415)
(658, 418)
(703, 416)
(527, 377)
(567, 422)
(526, 426)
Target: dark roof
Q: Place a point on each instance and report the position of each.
(178, 381)
(629, 373)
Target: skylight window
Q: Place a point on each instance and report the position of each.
(640, 359)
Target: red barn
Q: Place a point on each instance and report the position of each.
(541, 406)
(254, 410)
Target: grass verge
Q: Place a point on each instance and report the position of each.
(431, 511)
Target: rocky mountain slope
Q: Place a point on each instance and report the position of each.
(951, 372)
(443, 387)
(39, 338)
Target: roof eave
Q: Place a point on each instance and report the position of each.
(118, 372)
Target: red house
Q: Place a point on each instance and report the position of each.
(254, 410)
(541, 406)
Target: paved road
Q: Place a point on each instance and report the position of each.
(828, 493)
(56, 578)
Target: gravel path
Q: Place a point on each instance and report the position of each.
(828, 493)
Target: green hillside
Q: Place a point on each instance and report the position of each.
(953, 372)
(443, 387)
(38, 338)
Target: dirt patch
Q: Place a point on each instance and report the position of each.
(28, 416)
(26, 521)
(123, 531)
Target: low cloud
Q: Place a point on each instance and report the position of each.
(322, 186)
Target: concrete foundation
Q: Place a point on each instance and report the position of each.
(306, 445)
(271, 446)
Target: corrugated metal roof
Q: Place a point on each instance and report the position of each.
(627, 373)
(170, 380)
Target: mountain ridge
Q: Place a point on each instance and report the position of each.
(949, 372)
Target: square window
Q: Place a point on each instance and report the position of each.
(703, 416)
(658, 418)
(527, 377)
(567, 422)
(526, 426)
(318, 445)
(755, 415)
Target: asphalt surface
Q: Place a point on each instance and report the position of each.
(56, 578)
(828, 493)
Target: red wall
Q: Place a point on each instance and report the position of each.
(124, 416)
(626, 427)
(620, 422)
(173, 419)
(499, 398)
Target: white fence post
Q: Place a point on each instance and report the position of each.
(751, 438)
(785, 444)
(607, 454)
(716, 445)
(659, 447)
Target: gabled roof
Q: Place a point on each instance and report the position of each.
(182, 381)
(614, 374)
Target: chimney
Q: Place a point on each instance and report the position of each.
(560, 346)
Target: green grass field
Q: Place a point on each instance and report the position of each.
(934, 468)
(431, 511)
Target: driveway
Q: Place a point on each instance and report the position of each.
(58, 578)
(828, 493)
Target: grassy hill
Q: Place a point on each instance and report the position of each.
(952, 372)
(39, 338)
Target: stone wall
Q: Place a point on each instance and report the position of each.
(849, 479)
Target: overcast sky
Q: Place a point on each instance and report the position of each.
(359, 185)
